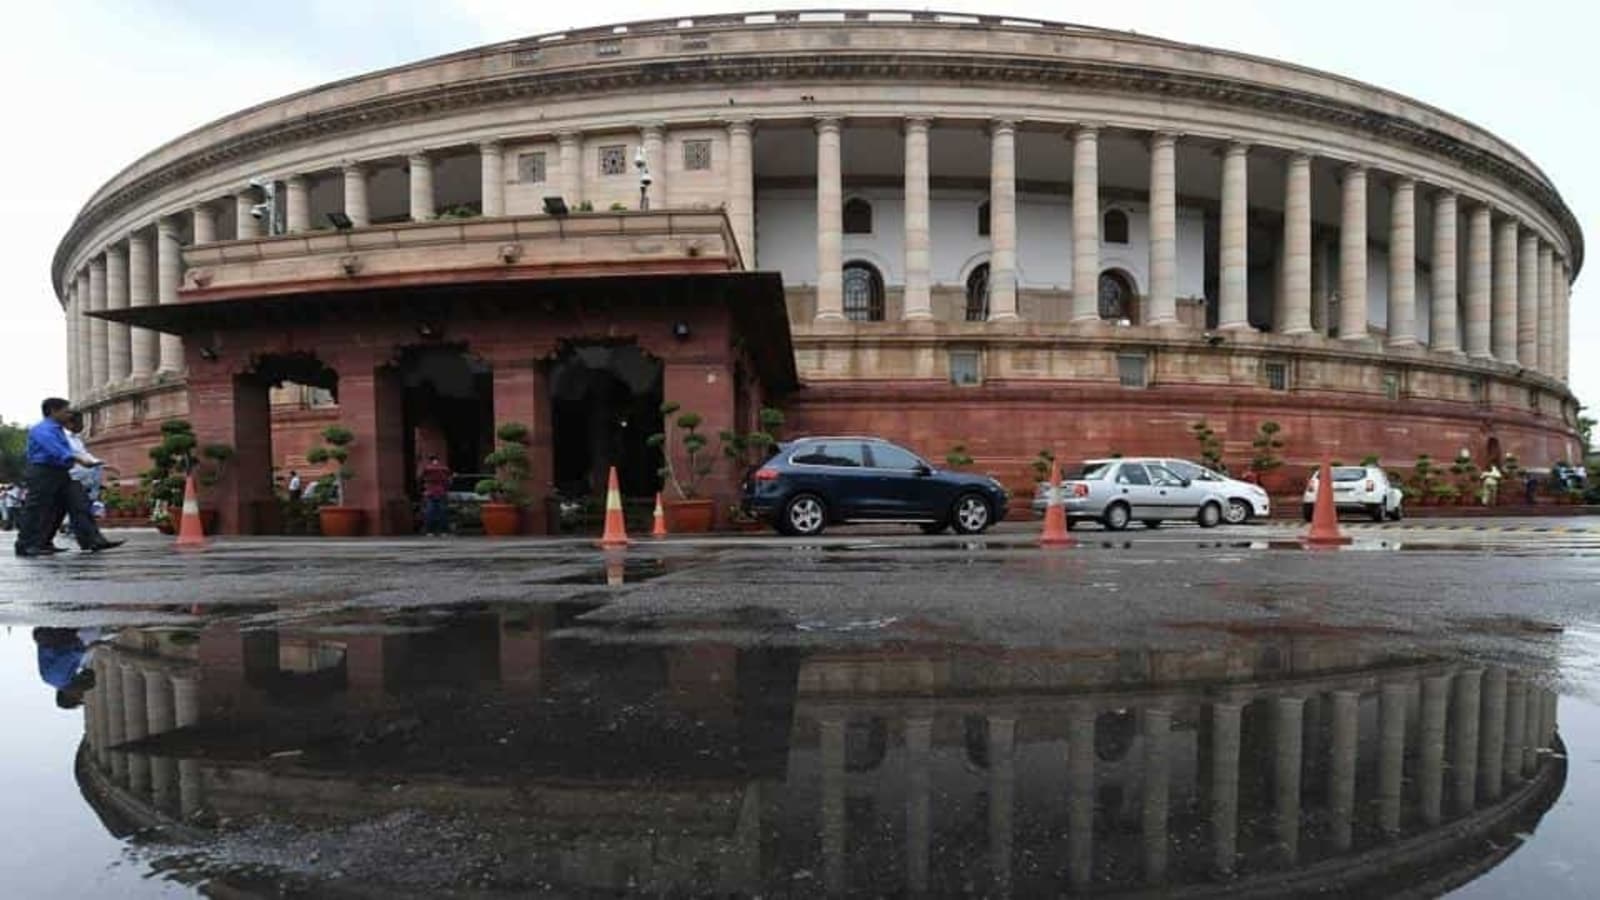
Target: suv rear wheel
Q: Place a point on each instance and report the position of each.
(970, 515)
(805, 515)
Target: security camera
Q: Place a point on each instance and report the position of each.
(259, 211)
(645, 179)
(638, 157)
(261, 183)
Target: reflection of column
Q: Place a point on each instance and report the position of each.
(1492, 733)
(190, 797)
(1342, 772)
(1435, 698)
(1080, 796)
(1225, 783)
(161, 713)
(831, 747)
(1516, 728)
(919, 831)
(1391, 754)
(1464, 757)
(1234, 305)
(185, 702)
(1288, 735)
(1530, 729)
(1156, 725)
(164, 784)
(135, 726)
(116, 725)
(1002, 800)
(102, 713)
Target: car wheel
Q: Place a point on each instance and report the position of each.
(933, 527)
(970, 515)
(1396, 515)
(1210, 515)
(1116, 517)
(1376, 512)
(1237, 513)
(806, 516)
(1152, 524)
(1307, 511)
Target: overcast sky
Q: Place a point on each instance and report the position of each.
(93, 84)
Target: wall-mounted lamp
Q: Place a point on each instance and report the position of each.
(555, 206)
(209, 354)
(1214, 339)
(680, 330)
(340, 221)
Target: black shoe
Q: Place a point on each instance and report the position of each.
(28, 553)
(104, 545)
(51, 550)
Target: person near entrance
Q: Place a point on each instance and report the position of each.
(435, 496)
(50, 458)
(295, 487)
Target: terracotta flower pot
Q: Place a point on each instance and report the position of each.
(341, 521)
(688, 516)
(501, 519)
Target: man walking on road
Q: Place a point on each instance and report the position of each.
(435, 496)
(49, 480)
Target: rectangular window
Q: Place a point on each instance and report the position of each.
(966, 367)
(1131, 370)
(1533, 399)
(1277, 376)
(1480, 391)
(530, 167)
(696, 156)
(1391, 386)
(608, 48)
(614, 159)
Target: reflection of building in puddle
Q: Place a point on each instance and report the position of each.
(1282, 764)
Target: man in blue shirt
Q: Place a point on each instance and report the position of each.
(49, 480)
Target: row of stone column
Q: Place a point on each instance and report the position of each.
(142, 269)
(1523, 326)
(130, 702)
(1500, 721)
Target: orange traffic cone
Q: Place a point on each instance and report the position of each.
(1055, 515)
(191, 534)
(616, 529)
(659, 529)
(1324, 532)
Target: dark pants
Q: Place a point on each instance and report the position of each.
(435, 515)
(50, 490)
(80, 508)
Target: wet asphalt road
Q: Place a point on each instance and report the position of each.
(748, 715)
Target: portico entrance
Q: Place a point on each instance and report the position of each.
(605, 402)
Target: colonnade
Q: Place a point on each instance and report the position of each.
(1514, 301)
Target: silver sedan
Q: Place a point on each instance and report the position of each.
(1115, 492)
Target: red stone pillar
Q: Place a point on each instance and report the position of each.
(371, 400)
(522, 394)
(236, 410)
(706, 388)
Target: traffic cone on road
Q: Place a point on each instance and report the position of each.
(1055, 514)
(1324, 532)
(659, 529)
(191, 534)
(616, 534)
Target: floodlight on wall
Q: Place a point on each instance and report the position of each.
(680, 330)
(209, 354)
(340, 221)
(555, 206)
(1214, 339)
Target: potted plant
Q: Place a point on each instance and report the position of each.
(690, 513)
(172, 461)
(1424, 478)
(1041, 464)
(1465, 472)
(958, 458)
(336, 519)
(1210, 447)
(1267, 458)
(508, 496)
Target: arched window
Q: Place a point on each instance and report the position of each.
(863, 292)
(983, 219)
(1116, 227)
(857, 216)
(1116, 297)
(978, 294)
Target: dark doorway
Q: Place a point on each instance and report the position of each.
(256, 463)
(606, 402)
(449, 411)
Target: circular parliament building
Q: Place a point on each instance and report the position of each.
(942, 229)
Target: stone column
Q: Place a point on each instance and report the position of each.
(571, 154)
(203, 216)
(1080, 796)
(70, 327)
(1225, 717)
(652, 139)
(420, 166)
(830, 222)
(1353, 255)
(492, 178)
(1161, 304)
(146, 347)
(355, 194)
(99, 346)
(1464, 755)
(1503, 315)
(1294, 295)
(169, 271)
(1085, 224)
(85, 326)
(245, 226)
(1342, 770)
(1002, 800)
(1528, 300)
(1003, 221)
(918, 301)
(1403, 264)
(119, 340)
(1234, 306)
(1479, 254)
(1562, 324)
(296, 204)
(1156, 729)
(831, 750)
(1391, 754)
(919, 818)
(1288, 744)
(1435, 703)
(741, 189)
(1443, 330)
(1492, 733)
(1549, 313)
(1516, 729)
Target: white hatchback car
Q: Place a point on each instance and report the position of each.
(1363, 488)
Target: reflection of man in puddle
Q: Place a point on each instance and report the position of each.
(64, 658)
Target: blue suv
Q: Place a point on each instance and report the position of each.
(815, 482)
